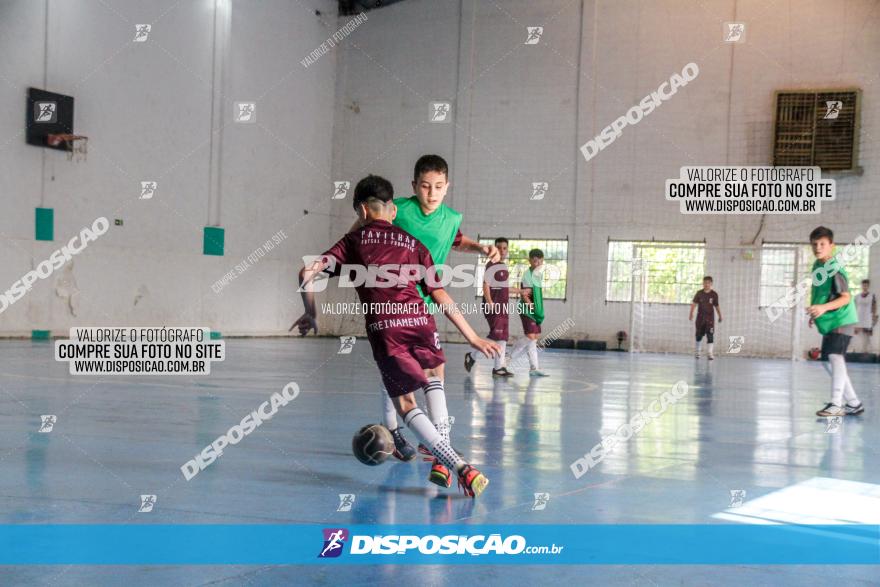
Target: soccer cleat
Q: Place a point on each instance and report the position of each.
(537, 373)
(471, 481)
(502, 372)
(853, 410)
(711, 357)
(439, 475)
(468, 362)
(830, 410)
(403, 450)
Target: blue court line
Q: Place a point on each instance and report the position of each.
(147, 544)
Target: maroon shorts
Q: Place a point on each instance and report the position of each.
(529, 325)
(404, 373)
(498, 326)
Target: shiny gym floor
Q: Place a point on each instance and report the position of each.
(745, 425)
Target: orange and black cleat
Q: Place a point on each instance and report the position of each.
(440, 475)
(471, 481)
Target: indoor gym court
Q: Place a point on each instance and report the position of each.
(200, 150)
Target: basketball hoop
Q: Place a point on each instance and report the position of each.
(77, 145)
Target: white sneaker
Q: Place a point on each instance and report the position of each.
(711, 357)
(697, 355)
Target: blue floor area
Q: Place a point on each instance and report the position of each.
(745, 425)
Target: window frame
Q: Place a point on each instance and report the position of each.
(671, 244)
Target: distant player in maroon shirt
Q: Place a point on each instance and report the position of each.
(404, 337)
(706, 303)
(496, 296)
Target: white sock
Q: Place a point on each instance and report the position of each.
(427, 433)
(838, 378)
(389, 414)
(533, 354)
(699, 346)
(435, 398)
(499, 360)
(849, 394)
(519, 348)
(710, 347)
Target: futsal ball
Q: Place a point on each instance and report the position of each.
(372, 444)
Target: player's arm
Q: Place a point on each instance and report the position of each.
(839, 284)
(487, 292)
(693, 307)
(487, 347)
(469, 245)
(718, 309)
(874, 310)
(307, 275)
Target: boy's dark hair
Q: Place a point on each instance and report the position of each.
(428, 163)
(868, 281)
(536, 253)
(709, 277)
(820, 232)
(372, 187)
(500, 240)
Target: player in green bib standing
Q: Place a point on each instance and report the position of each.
(438, 228)
(531, 312)
(834, 314)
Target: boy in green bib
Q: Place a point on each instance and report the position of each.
(531, 312)
(834, 314)
(438, 228)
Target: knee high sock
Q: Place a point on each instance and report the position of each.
(427, 433)
(389, 414)
(499, 360)
(435, 397)
(533, 353)
(841, 386)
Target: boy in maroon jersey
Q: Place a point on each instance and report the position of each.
(706, 303)
(404, 338)
(496, 295)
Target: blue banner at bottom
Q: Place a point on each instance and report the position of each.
(715, 544)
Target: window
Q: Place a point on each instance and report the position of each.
(817, 128)
(555, 261)
(783, 265)
(673, 271)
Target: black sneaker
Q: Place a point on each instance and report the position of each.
(468, 362)
(853, 410)
(502, 372)
(403, 450)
